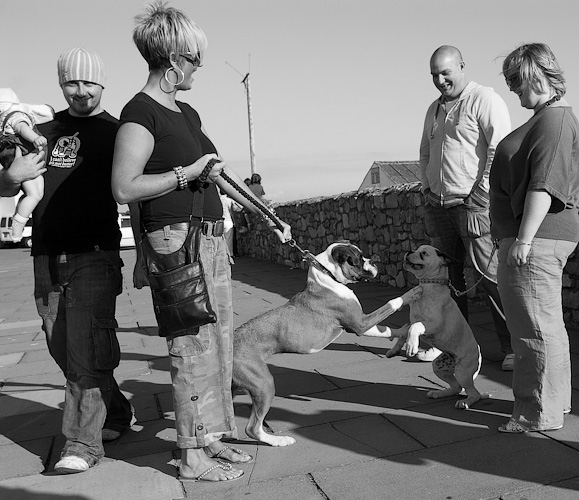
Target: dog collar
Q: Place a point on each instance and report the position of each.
(312, 261)
(435, 281)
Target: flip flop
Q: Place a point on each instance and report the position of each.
(512, 427)
(235, 450)
(218, 465)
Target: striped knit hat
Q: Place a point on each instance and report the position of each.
(80, 64)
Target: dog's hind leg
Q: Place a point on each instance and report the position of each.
(443, 367)
(466, 370)
(257, 379)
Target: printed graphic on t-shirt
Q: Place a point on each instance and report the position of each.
(65, 152)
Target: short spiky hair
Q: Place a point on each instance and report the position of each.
(528, 63)
(161, 30)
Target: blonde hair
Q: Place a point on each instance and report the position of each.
(531, 64)
(161, 30)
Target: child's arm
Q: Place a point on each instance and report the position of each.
(24, 130)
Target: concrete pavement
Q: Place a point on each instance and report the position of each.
(363, 424)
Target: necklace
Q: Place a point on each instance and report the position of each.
(548, 103)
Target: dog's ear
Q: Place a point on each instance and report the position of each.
(346, 253)
(448, 260)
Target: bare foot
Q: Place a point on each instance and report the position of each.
(221, 451)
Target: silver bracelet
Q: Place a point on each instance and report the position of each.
(519, 242)
(181, 177)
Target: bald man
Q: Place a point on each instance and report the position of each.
(461, 131)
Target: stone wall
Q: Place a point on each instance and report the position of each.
(384, 222)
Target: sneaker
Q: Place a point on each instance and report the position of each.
(508, 363)
(428, 354)
(71, 465)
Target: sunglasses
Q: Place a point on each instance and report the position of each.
(194, 60)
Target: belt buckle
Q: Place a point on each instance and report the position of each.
(212, 228)
(218, 228)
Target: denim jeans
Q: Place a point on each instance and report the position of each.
(76, 299)
(462, 232)
(202, 364)
(533, 305)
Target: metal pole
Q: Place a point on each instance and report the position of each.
(245, 82)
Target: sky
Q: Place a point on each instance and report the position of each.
(335, 84)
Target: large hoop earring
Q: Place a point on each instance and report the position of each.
(175, 70)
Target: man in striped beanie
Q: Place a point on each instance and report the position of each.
(81, 75)
(77, 265)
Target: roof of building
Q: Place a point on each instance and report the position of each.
(399, 172)
(392, 173)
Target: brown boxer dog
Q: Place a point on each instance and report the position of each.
(436, 318)
(310, 321)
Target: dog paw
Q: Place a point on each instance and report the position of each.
(411, 347)
(281, 440)
(397, 303)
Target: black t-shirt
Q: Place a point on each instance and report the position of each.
(78, 212)
(179, 140)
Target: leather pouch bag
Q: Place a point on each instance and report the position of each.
(180, 297)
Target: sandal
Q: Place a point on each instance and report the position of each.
(512, 427)
(218, 465)
(235, 450)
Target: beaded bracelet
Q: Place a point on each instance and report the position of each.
(181, 177)
(207, 169)
(519, 242)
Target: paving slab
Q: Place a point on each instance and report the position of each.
(477, 469)
(21, 369)
(24, 401)
(107, 481)
(300, 487)
(23, 427)
(24, 459)
(318, 447)
(10, 360)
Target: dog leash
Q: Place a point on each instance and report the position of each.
(483, 275)
(307, 256)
